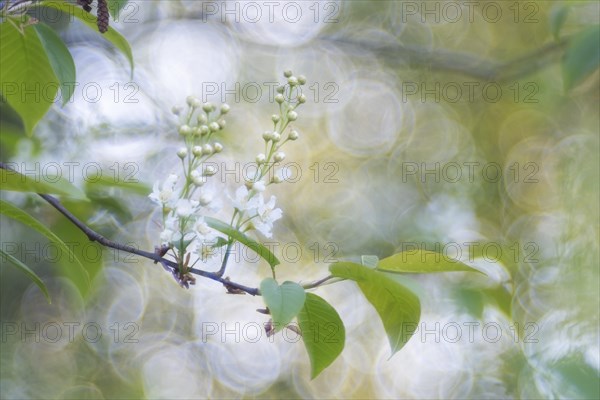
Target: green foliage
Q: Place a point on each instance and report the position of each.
(26, 73)
(111, 35)
(25, 269)
(582, 56)
(115, 7)
(323, 333)
(558, 17)
(60, 59)
(284, 301)
(398, 308)
(230, 231)
(17, 214)
(421, 261)
(14, 181)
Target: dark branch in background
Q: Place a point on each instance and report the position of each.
(457, 62)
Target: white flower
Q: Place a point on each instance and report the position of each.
(242, 202)
(203, 231)
(166, 236)
(259, 186)
(267, 214)
(185, 207)
(165, 193)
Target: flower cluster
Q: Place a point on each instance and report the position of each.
(186, 200)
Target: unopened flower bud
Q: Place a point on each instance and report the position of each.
(275, 136)
(294, 135)
(301, 79)
(225, 108)
(279, 98)
(204, 129)
(276, 179)
(189, 100)
(267, 135)
(182, 153)
(287, 73)
(197, 151)
(208, 107)
(209, 170)
(293, 81)
(185, 130)
(302, 99)
(213, 126)
(204, 199)
(261, 158)
(218, 147)
(221, 123)
(292, 115)
(279, 156)
(176, 110)
(280, 89)
(275, 118)
(207, 149)
(202, 120)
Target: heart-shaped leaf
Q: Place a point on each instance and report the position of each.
(284, 301)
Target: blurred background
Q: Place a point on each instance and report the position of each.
(441, 125)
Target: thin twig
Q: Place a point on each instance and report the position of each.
(320, 282)
(96, 237)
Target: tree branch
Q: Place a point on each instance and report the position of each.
(157, 258)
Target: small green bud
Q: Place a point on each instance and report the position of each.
(301, 79)
(197, 151)
(276, 179)
(214, 126)
(221, 123)
(196, 103)
(202, 120)
(293, 81)
(218, 147)
(176, 110)
(294, 135)
(279, 98)
(279, 156)
(209, 170)
(280, 89)
(302, 99)
(208, 107)
(275, 118)
(275, 136)
(292, 115)
(182, 153)
(261, 158)
(225, 108)
(190, 100)
(185, 130)
(207, 149)
(287, 73)
(204, 129)
(267, 135)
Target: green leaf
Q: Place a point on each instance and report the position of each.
(36, 183)
(421, 261)
(398, 308)
(284, 302)
(24, 268)
(60, 59)
(582, 56)
(558, 17)
(28, 83)
(115, 7)
(111, 35)
(108, 179)
(16, 213)
(323, 333)
(243, 239)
